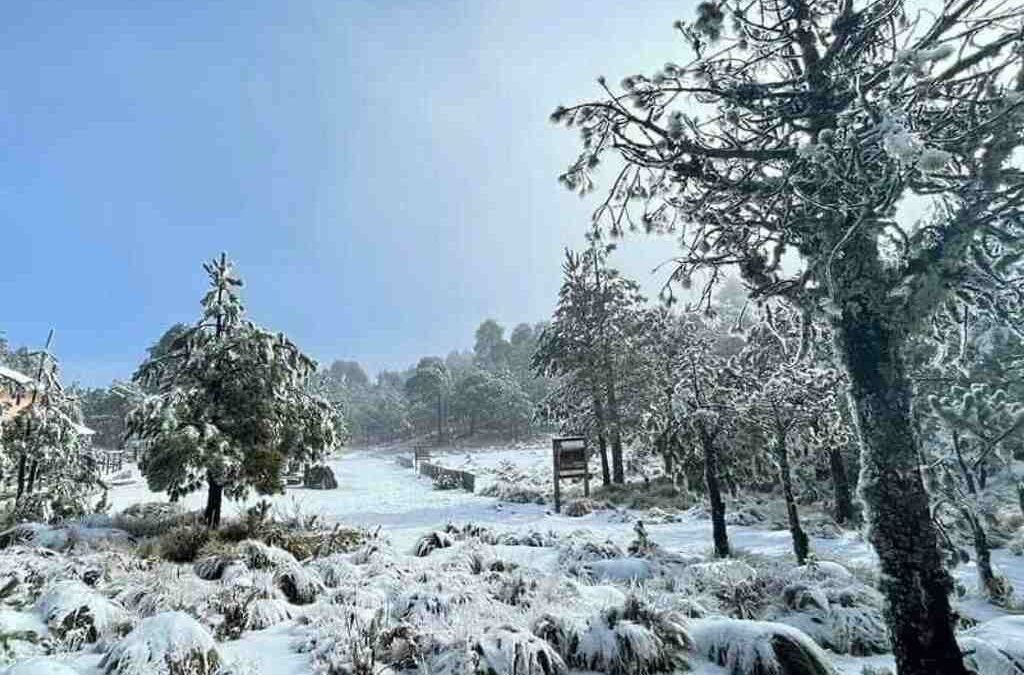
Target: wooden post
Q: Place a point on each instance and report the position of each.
(556, 448)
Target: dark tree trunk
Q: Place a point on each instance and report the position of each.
(841, 492)
(711, 482)
(801, 545)
(30, 488)
(1020, 496)
(666, 455)
(602, 441)
(913, 580)
(21, 476)
(214, 497)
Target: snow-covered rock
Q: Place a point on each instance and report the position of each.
(172, 643)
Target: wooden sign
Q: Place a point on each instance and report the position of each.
(420, 453)
(571, 457)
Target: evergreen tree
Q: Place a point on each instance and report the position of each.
(588, 342)
(431, 385)
(231, 406)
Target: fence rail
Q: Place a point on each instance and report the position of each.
(464, 479)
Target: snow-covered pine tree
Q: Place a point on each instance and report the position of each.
(802, 126)
(589, 340)
(231, 406)
(45, 442)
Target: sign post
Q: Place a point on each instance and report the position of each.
(420, 453)
(571, 457)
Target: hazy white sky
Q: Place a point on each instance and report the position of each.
(384, 173)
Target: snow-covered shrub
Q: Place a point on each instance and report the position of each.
(748, 515)
(758, 648)
(471, 531)
(300, 585)
(211, 567)
(399, 646)
(513, 493)
(162, 588)
(334, 570)
(532, 538)
(430, 542)
(182, 543)
(577, 508)
(706, 576)
(632, 640)
(800, 596)
(171, 643)
(260, 556)
(642, 546)
(344, 642)
(876, 670)
(77, 614)
(824, 529)
(995, 647)
(577, 550)
(513, 590)
(505, 650)
(150, 519)
(560, 631)
(447, 481)
(860, 631)
(252, 602)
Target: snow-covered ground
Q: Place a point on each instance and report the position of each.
(375, 491)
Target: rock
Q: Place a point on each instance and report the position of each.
(320, 477)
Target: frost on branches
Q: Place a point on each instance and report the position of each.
(232, 406)
(801, 127)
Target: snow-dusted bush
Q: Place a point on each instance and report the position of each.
(300, 585)
(259, 556)
(995, 647)
(632, 640)
(748, 515)
(532, 538)
(399, 646)
(334, 570)
(513, 493)
(860, 631)
(471, 531)
(513, 590)
(212, 567)
(183, 543)
(162, 588)
(578, 550)
(251, 602)
(430, 542)
(505, 650)
(171, 643)
(577, 508)
(149, 519)
(706, 576)
(77, 614)
(758, 648)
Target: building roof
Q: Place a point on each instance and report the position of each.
(15, 376)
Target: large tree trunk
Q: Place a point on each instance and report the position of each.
(983, 552)
(214, 497)
(841, 492)
(711, 482)
(801, 545)
(618, 474)
(914, 581)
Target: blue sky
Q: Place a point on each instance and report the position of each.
(382, 172)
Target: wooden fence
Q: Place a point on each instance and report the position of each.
(404, 461)
(463, 479)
